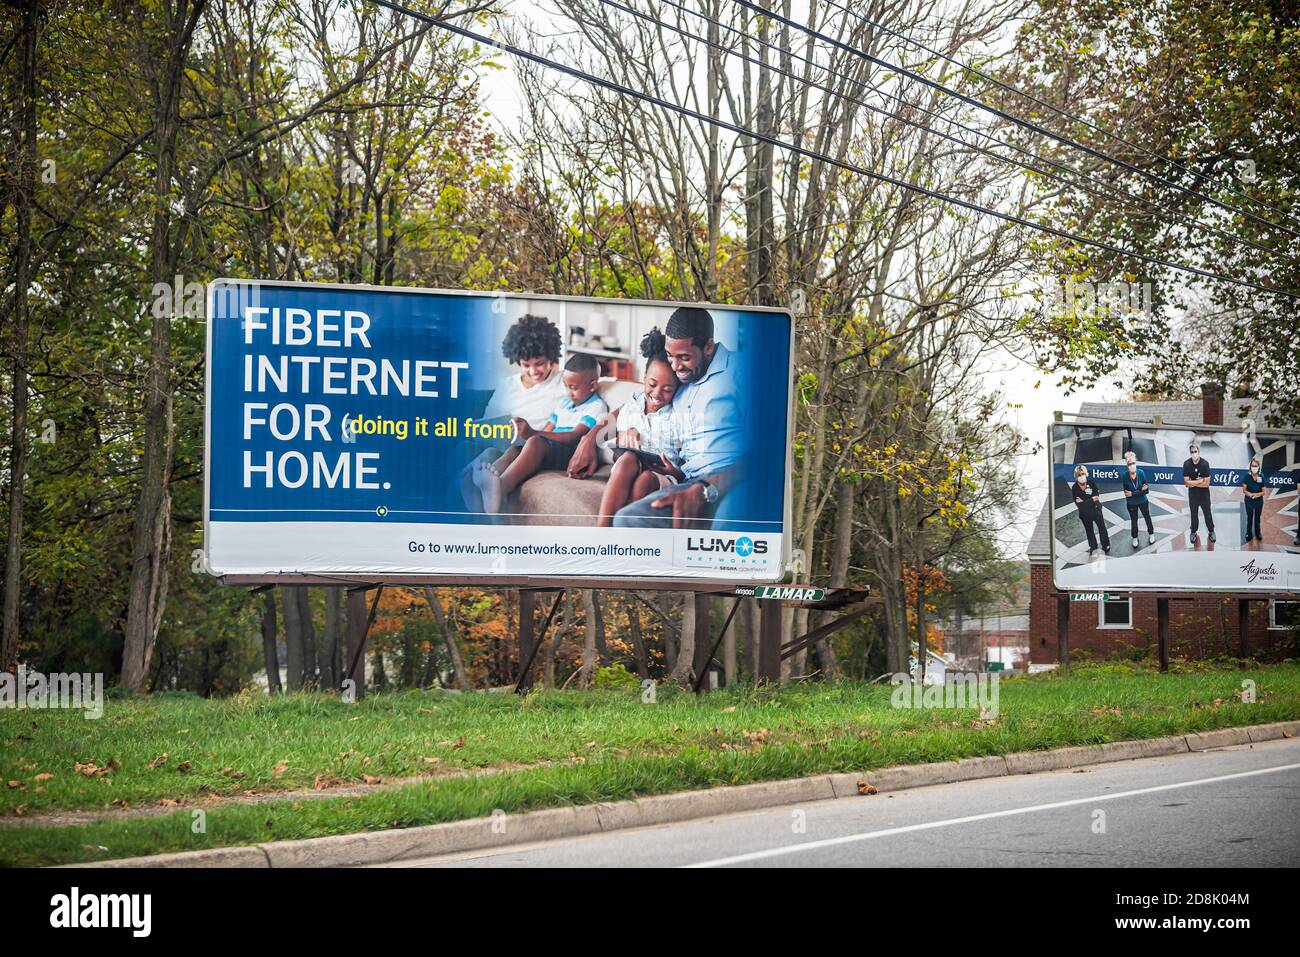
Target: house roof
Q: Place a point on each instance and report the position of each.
(992, 622)
(1039, 548)
(1189, 412)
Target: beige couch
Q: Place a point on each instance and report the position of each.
(552, 498)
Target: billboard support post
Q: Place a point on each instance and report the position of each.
(701, 673)
(1162, 631)
(527, 621)
(1063, 631)
(358, 627)
(769, 642)
(526, 666)
(703, 648)
(1243, 625)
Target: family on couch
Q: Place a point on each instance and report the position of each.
(680, 439)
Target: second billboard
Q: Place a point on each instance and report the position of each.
(1168, 508)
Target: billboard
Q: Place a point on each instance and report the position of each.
(1145, 507)
(387, 431)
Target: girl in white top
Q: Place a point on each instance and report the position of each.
(646, 421)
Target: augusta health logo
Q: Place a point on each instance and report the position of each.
(714, 550)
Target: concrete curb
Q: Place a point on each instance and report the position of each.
(385, 847)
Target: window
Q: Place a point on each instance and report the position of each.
(1115, 614)
(1283, 615)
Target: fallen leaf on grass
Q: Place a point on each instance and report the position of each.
(43, 776)
(280, 769)
(232, 773)
(729, 710)
(17, 786)
(90, 769)
(184, 767)
(371, 779)
(158, 761)
(428, 760)
(460, 743)
(325, 781)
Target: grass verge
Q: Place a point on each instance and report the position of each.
(552, 749)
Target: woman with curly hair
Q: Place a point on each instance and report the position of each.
(533, 344)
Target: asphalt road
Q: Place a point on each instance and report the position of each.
(1231, 807)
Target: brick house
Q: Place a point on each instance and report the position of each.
(1206, 625)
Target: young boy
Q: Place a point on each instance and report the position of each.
(550, 447)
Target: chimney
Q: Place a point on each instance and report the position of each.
(1212, 403)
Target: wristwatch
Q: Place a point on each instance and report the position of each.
(710, 493)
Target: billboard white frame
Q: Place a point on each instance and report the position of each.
(1119, 589)
(362, 577)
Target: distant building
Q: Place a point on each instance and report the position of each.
(1205, 626)
(976, 642)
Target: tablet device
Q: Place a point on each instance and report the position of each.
(651, 460)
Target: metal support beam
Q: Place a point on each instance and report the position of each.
(817, 634)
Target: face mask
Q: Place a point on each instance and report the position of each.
(1132, 469)
(1254, 469)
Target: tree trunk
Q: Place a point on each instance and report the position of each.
(587, 673)
(294, 652)
(553, 640)
(24, 138)
(448, 637)
(331, 668)
(683, 668)
(309, 651)
(151, 533)
(921, 654)
(269, 651)
(638, 640)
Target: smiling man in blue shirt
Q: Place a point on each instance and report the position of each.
(715, 437)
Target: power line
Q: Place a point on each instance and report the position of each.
(1041, 102)
(1106, 190)
(821, 157)
(1003, 114)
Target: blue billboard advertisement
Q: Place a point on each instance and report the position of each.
(1145, 507)
(391, 431)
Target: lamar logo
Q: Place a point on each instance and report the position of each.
(1253, 571)
(103, 910)
(744, 546)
